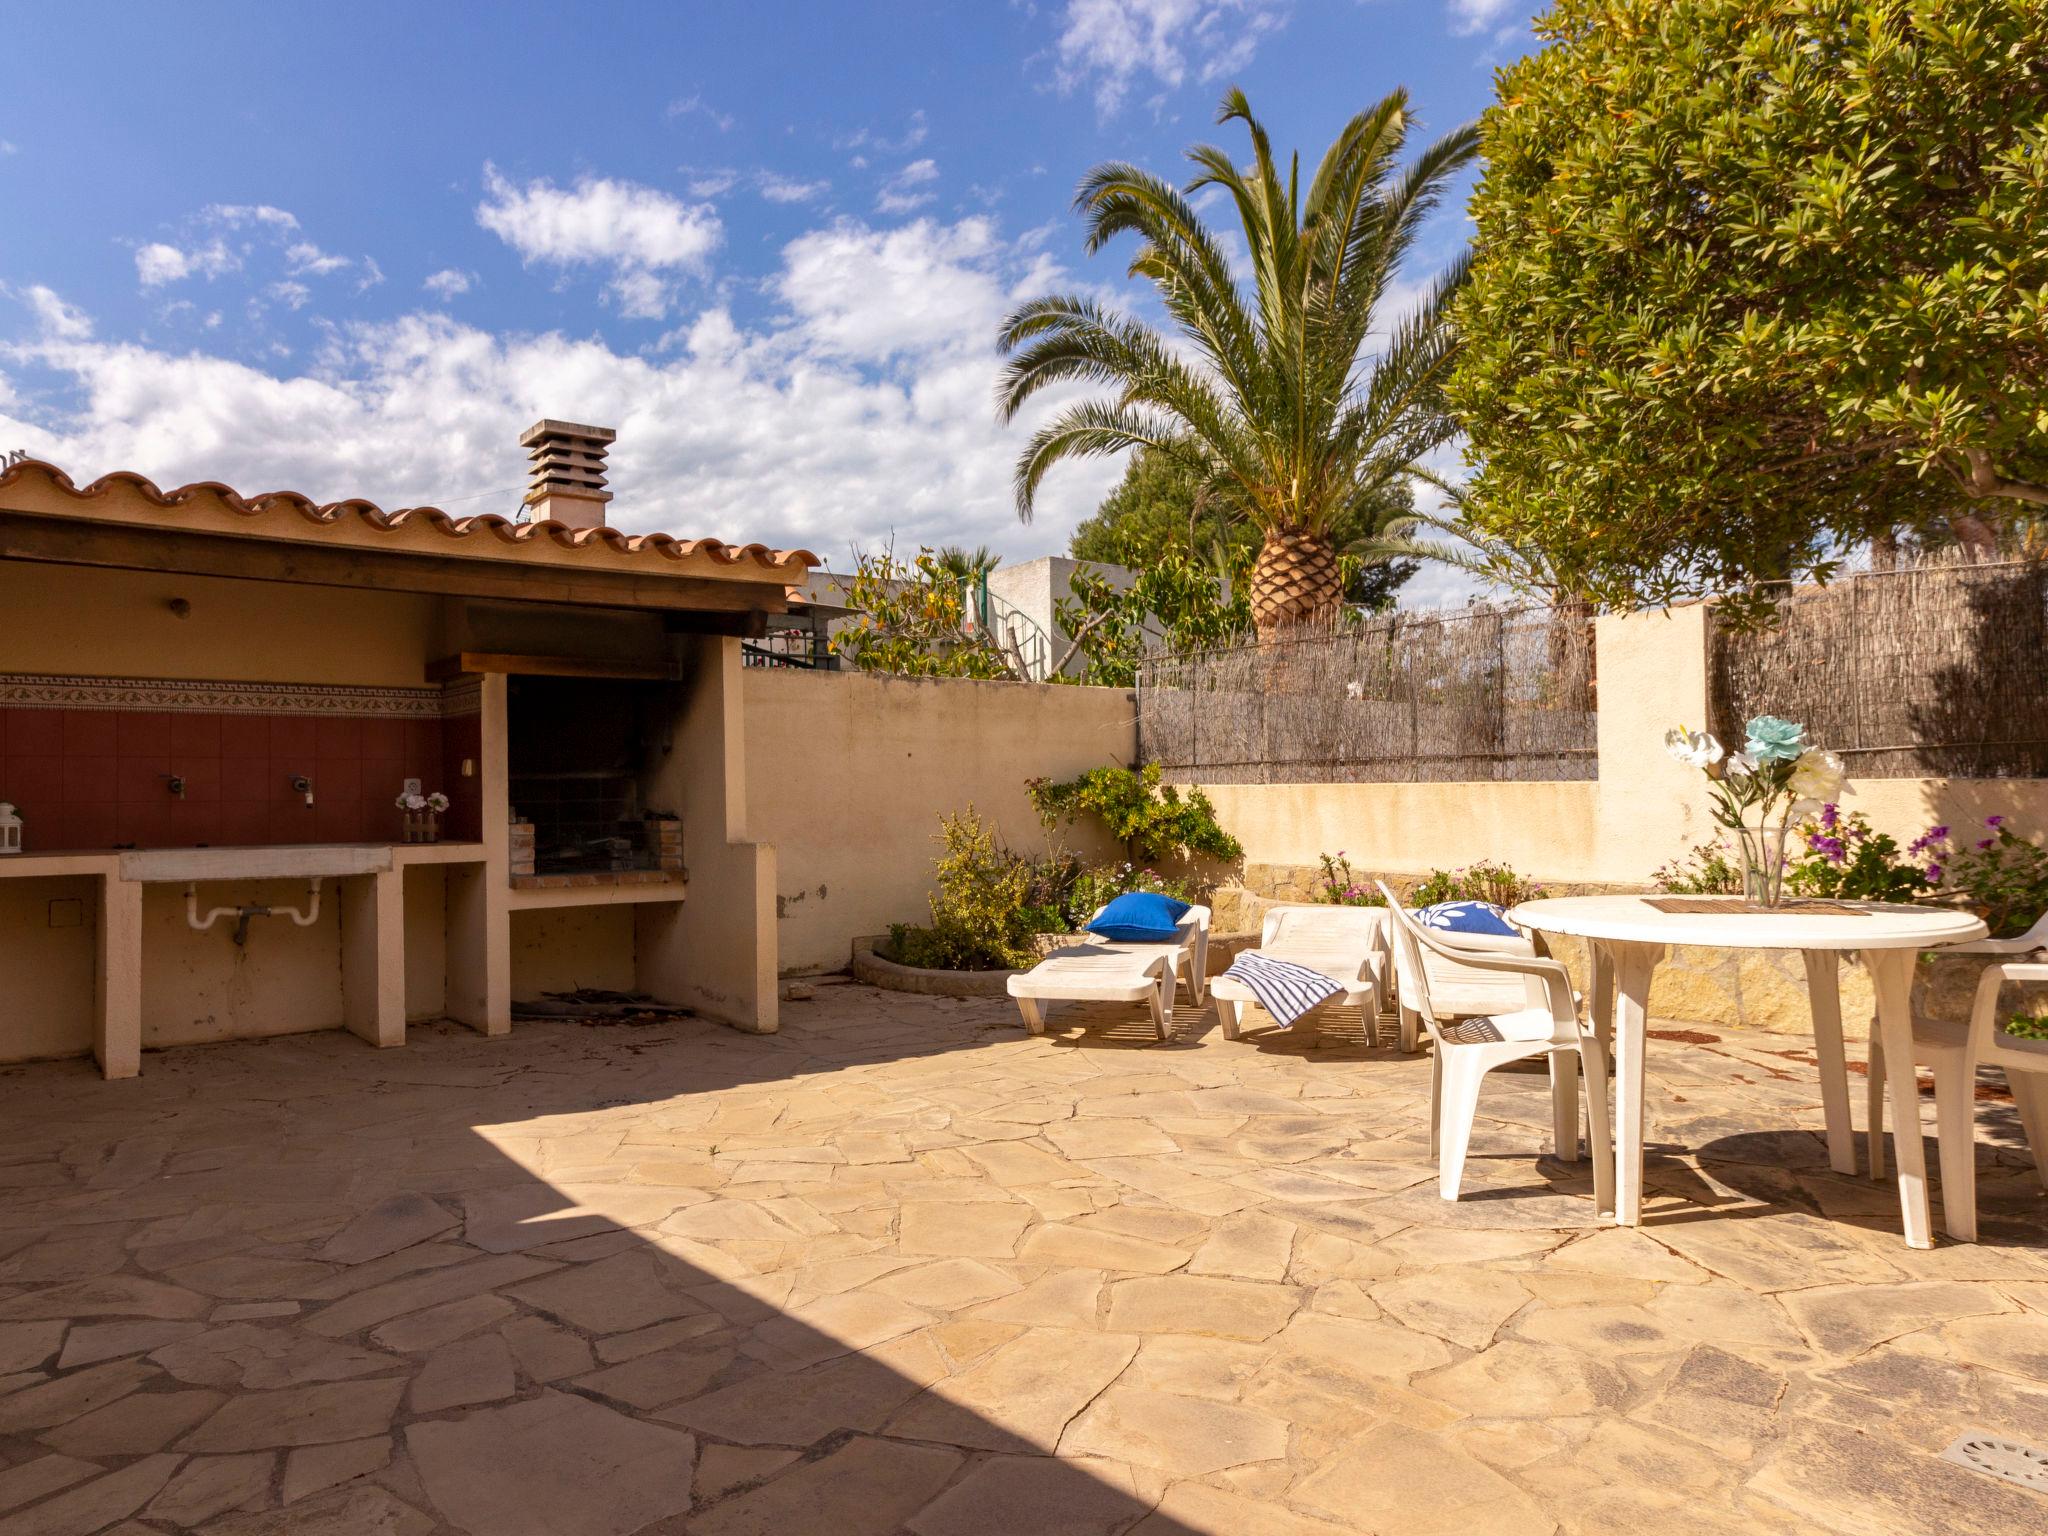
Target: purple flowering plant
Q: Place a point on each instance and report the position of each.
(1843, 857)
(2001, 876)
(1340, 886)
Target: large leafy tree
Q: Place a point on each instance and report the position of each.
(1755, 280)
(1157, 511)
(1269, 395)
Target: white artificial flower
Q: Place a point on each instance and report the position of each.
(1819, 775)
(1696, 749)
(1741, 763)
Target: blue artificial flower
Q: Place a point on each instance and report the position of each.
(1771, 740)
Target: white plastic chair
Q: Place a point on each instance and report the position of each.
(1458, 990)
(1546, 1024)
(1347, 944)
(1955, 1052)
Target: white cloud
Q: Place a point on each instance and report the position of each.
(372, 275)
(713, 183)
(914, 134)
(293, 295)
(248, 215)
(863, 407)
(1470, 16)
(642, 234)
(787, 189)
(899, 193)
(8, 147)
(448, 282)
(57, 320)
(157, 264)
(1112, 42)
(695, 105)
(306, 258)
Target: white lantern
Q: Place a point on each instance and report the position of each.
(10, 830)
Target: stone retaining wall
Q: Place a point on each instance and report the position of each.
(1724, 988)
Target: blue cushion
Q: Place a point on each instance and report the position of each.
(1467, 917)
(1141, 917)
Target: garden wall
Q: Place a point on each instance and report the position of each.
(848, 773)
(1610, 833)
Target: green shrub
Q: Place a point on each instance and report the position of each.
(1705, 870)
(2027, 1026)
(1483, 881)
(979, 910)
(1156, 823)
(2003, 877)
(1844, 859)
(1341, 888)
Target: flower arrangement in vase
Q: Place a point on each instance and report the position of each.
(422, 815)
(1757, 791)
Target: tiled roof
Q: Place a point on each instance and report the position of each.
(790, 562)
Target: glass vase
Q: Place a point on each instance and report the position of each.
(1762, 849)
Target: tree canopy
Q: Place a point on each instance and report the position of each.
(1754, 280)
(1269, 393)
(1157, 510)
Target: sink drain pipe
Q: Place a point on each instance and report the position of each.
(242, 914)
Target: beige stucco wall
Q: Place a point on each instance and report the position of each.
(95, 623)
(847, 775)
(202, 986)
(566, 949)
(48, 929)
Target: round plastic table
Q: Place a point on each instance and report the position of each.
(1627, 938)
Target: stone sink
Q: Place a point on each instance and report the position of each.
(289, 861)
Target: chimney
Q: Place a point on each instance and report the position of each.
(568, 472)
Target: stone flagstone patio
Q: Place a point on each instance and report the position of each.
(903, 1268)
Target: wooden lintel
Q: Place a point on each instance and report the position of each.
(751, 625)
(547, 666)
(66, 541)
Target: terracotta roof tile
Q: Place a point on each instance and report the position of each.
(791, 561)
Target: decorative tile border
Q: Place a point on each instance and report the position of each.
(24, 690)
(463, 696)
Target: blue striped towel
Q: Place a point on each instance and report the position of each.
(1284, 989)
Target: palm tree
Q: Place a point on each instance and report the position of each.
(966, 563)
(1269, 395)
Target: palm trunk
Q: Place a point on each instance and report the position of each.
(1296, 584)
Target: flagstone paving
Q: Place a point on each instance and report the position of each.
(903, 1268)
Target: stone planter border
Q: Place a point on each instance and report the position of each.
(877, 970)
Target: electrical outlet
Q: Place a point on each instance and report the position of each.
(412, 786)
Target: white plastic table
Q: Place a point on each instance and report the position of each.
(1627, 938)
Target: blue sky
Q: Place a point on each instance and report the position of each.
(354, 250)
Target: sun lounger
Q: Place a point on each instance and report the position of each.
(1106, 971)
(1349, 945)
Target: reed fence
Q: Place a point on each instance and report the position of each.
(1480, 694)
(1936, 669)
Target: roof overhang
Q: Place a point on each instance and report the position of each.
(124, 522)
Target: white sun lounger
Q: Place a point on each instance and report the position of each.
(1350, 945)
(1108, 971)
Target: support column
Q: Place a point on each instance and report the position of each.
(479, 895)
(117, 1011)
(373, 956)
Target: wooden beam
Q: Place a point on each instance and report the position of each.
(547, 666)
(66, 541)
(751, 625)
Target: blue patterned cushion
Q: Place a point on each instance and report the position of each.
(1467, 917)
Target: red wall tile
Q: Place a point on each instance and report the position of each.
(89, 732)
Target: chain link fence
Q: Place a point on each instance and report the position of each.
(1936, 669)
(1483, 694)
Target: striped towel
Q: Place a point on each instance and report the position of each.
(1284, 989)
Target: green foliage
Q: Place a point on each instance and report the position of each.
(1755, 281)
(2004, 878)
(1154, 821)
(991, 903)
(2027, 1026)
(1844, 859)
(1269, 398)
(1705, 870)
(1483, 881)
(978, 910)
(1156, 512)
(911, 620)
(1339, 887)
(1175, 603)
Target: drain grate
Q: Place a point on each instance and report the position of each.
(2007, 1460)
